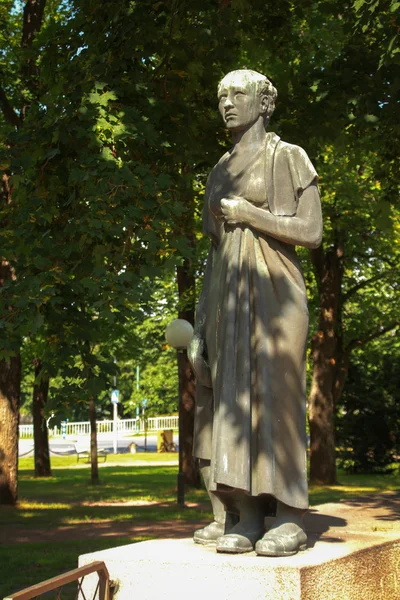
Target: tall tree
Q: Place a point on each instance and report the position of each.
(14, 102)
(78, 241)
(357, 263)
(40, 431)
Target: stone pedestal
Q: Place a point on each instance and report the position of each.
(354, 554)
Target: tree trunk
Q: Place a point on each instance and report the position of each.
(186, 290)
(40, 431)
(326, 347)
(93, 444)
(10, 382)
(188, 391)
(322, 418)
(342, 369)
(186, 286)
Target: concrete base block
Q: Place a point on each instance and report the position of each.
(353, 554)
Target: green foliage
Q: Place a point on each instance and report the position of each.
(380, 19)
(369, 412)
(117, 130)
(148, 352)
(359, 218)
(85, 224)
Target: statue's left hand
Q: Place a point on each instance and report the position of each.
(234, 210)
(201, 368)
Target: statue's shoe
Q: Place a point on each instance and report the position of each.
(238, 543)
(208, 535)
(281, 544)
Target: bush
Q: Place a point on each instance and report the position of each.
(368, 419)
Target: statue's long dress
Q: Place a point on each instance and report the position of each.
(256, 332)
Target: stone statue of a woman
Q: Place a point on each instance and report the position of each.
(248, 351)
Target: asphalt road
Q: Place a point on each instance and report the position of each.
(66, 446)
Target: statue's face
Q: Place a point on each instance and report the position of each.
(239, 103)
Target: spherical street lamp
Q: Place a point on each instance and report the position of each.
(178, 335)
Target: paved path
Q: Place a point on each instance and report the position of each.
(145, 529)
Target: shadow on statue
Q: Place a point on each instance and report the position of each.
(248, 349)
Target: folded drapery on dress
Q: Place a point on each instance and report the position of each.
(251, 425)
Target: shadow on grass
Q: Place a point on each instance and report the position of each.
(117, 483)
(131, 495)
(78, 516)
(68, 498)
(24, 565)
(351, 486)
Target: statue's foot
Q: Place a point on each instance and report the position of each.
(285, 540)
(208, 535)
(239, 540)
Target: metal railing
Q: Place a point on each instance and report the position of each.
(124, 426)
(101, 591)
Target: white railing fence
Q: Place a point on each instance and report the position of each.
(124, 426)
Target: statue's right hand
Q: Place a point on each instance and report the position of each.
(196, 354)
(235, 210)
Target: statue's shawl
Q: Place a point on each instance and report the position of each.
(288, 172)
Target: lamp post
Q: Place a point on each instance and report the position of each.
(115, 400)
(178, 335)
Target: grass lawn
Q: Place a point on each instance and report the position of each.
(133, 490)
(130, 492)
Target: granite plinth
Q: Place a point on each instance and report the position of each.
(353, 554)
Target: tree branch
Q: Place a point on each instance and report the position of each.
(363, 284)
(370, 257)
(33, 17)
(8, 111)
(318, 261)
(32, 22)
(378, 333)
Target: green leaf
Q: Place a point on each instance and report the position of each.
(358, 4)
(371, 118)
(52, 153)
(164, 181)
